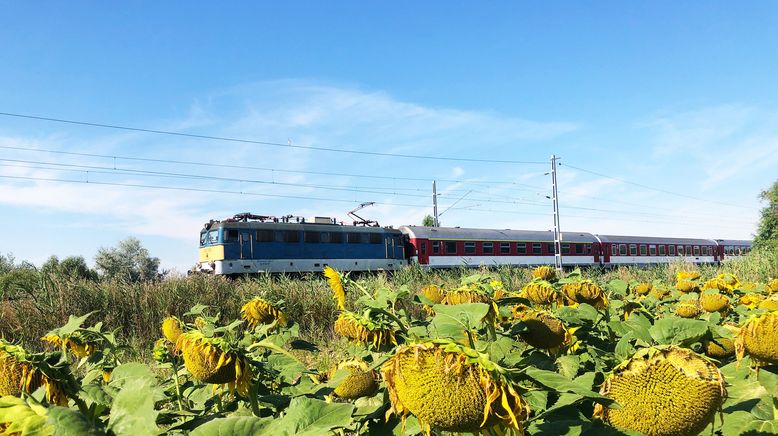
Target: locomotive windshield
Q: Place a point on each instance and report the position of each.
(209, 237)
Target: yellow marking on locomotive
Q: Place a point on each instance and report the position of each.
(215, 252)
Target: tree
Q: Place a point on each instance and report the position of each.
(428, 221)
(129, 261)
(71, 266)
(767, 232)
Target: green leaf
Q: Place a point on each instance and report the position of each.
(678, 331)
(132, 411)
(560, 383)
(568, 365)
(769, 379)
(457, 320)
(617, 287)
(640, 327)
(234, 425)
(309, 416)
(69, 422)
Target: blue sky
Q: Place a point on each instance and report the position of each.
(678, 97)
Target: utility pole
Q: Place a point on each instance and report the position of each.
(557, 229)
(435, 222)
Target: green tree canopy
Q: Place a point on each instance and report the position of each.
(71, 266)
(129, 261)
(428, 221)
(767, 233)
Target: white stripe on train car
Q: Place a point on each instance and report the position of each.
(456, 261)
(642, 260)
(305, 265)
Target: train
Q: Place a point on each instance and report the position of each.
(247, 243)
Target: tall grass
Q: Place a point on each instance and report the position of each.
(135, 310)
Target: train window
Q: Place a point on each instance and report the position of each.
(661, 250)
(588, 248)
(671, 250)
(565, 248)
(291, 236)
(211, 237)
(642, 250)
(505, 248)
(633, 250)
(521, 248)
(680, 250)
(614, 249)
(354, 237)
(696, 250)
(451, 247)
(324, 237)
(436, 247)
(423, 248)
(688, 250)
(376, 238)
(336, 238)
(232, 236)
(312, 237)
(265, 236)
(488, 247)
(622, 249)
(579, 248)
(535, 248)
(550, 248)
(469, 247)
(652, 250)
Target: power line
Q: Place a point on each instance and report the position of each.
(268, 143)
(272, 170)
(655, 189)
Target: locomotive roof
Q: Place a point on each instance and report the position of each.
(492, 234)
(653, 240)
(300, 226)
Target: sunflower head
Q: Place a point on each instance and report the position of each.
(366, 329)
(720, 347)
(585, 291)
(433, 293)
(544, 330)
(360, 381)
(719, 284)
(759, 339)
(643, 288)
(687, 286)
(660, 293)
(465, 294)
(207, 361)
(772, 285)
(78, 343)
(688, 309)
(259, 311)
(335, 281)
(770, 303)
(687, 275)
(172, 328)
(663, 391)
(452, 388)
(713, 301)
(540, 292)
(751, 300)
(21, 371)
(544, 272)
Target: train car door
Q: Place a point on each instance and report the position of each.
(246, 241)
(423, 248)
(595, 252)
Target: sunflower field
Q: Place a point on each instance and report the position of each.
(548, 356)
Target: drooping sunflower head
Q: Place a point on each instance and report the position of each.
(78, 343)
(544, 272)
(360, 381)
(207, 361)
(718, 284)
(544, 330)
(729, 279)
(366, 329)
(713, 301)
(751, 300)
(660, 292)
(772, 285)
(259, 311)
(433, 293)
(452, 388)
(688, 308)
(540, 292)
(643, 288)
(770, 303)
(335, 281)
(687, 276)
(663, 391)
(466, 294)
(687, 286)
(21, 371)
(759, 339)
(585, 291)
(720, 347)
(172, 328)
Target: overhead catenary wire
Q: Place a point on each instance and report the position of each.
(266, 143)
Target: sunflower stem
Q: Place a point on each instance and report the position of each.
(178, 385)
(396, 320)
(253, 399)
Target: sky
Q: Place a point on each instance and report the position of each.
(663, 115)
